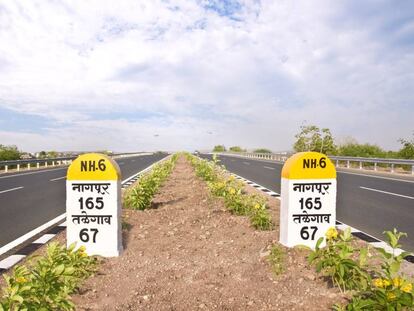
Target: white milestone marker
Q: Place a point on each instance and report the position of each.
(93, 205)
(308, 199)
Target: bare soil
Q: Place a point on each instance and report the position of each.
(190, 253)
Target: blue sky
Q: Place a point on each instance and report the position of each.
(77, 75)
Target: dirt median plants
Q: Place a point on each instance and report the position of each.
(237, 201)
(192, 253)
(140, 195)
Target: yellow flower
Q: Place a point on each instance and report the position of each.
(386, 282)
(407, 288)
(378, 283)
(82, 249)
(232, 191)
(83, 254)
(21, 279)
(257, 206)
(331, 233)
(391, 296)
(397, 282)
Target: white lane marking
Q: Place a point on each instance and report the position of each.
(121, 163)
(144, 170)
(269, 168)
(10, 261)
(31, 234)
(259, 187)
(54, 179)
(247, 163)
(8, 190)
(380, 177)
(37, 172)
(44, 238)
(132, 160)
(386, 192)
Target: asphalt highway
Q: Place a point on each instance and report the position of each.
(29, 199)
(371, 203)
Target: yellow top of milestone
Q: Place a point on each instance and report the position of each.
(93, 166)
(308, 165)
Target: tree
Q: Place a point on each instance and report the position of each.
(52, 154)
(42, 154)
(311, 138)
(236, 149)
(262, 150)
(219, 148)
(9, 153)
(407, 151)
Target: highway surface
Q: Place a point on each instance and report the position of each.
(30, 199)
(368, 202)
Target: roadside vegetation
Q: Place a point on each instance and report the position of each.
(45, 284)
(231, 190)
(262, 150)
(277, 258)
(139, 196)
(9, 153)
(313, 138)
(237, 149)
(374, 283)
(219, 148)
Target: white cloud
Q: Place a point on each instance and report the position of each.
(182, 69)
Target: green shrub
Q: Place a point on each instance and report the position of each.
(335, 261)
(276, 259)
(47, 284)
(383, 287)
(262, 150)
(389, 290)
(140, 196)
(219, 148)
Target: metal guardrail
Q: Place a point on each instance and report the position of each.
(28, 163)
(282, 157)
(390, 162)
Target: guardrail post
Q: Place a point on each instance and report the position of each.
(412, 169)
(347, 164)
(18, 167)
(375, 166)
(360, 165)
(392, 168)
(28, 166)
(337, 163)
(6, 168)
(53, 163)
(37, 165)
(46, 164)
